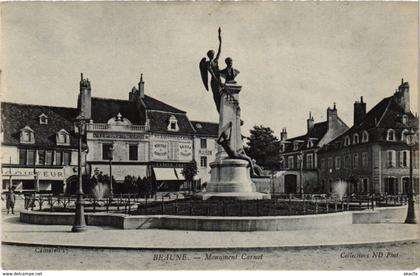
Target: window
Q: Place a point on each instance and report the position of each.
(62, 137)
(365, 185)
(290, 162)
(347, 162)
(330, 162)
(322, 164)
(282, 147)
(203, 143)
(347, 141)
(22, 157)
(365, 160)
(309, 161)
(390, 135)
(391, 185)
(66, 158)
(365, 137)
(355, 138)
(107, 151)
(337, 162)
(49, 157)
(133, 152)
(405, 119)
(41, 157)
(390, 158)
(58, 158)
(27, 135)
(404, 158)
(173, 124)
(356, 161)
(203, 161)
(43, 119)
(404, 135)
(295, 145)
(310, 144)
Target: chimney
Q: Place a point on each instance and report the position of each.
(310, 122)
(402, 96)
(141, 87)
(283, 135)
(331, 116)
(84, 99)
(133, 94)
(359, 111)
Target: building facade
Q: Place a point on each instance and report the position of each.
(39, 147)
(373, 155)
(299, 155)
(140, 137)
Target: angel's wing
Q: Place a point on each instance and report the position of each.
(204, 73)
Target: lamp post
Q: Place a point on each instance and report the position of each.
(300, 158)
(111, 156)
(79, 224)
(411, 215)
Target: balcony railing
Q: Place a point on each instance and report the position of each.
(131, 128)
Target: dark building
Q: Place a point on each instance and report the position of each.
(373, 155)
(299, 159)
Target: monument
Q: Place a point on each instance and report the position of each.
(232, 170)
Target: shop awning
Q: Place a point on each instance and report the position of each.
(168, 174)
(179, 173)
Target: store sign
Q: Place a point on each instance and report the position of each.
(159, 150)
(28, 173)
(205, 152)
(111, 135)
(185, 151)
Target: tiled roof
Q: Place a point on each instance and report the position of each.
(17, 116)
(104, 109)
(159, 122)
(206, 128)
(153, 104)
(384, 115)
(316, 133)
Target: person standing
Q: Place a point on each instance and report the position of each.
(10, 201)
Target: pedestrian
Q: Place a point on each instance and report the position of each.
(10, 201)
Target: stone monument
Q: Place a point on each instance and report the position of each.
(232, 170)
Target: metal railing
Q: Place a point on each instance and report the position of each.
(178, 204)
(103, 126)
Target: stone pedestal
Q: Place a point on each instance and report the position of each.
(230, 178)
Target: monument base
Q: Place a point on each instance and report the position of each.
(230, 179)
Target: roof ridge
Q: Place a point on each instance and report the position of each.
(111, 99)
(38, 105)
(180, 110)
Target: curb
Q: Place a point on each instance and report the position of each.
(297, 247)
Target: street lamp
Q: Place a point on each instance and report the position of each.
(79, 224)
(111, 156)
(411, 215)
(300, 158)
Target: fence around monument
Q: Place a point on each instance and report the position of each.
(180, 204)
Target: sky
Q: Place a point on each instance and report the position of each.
(294, 57)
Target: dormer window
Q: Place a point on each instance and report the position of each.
(355, 138)
(347, 141)
(62, 138)
(365, 136)
(404, 119)
(404, 135)
(295, 145)
(282, 147)
(173, 124)
(43, 119)
(390, 135)
(310, 144)
(27, 135)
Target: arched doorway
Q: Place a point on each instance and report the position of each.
(71, 185)
(290, 184)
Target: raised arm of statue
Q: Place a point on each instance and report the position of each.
(220, 45)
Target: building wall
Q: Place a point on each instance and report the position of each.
(9, 155)
(209, 152)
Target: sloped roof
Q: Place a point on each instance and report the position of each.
(104, 109)
(154, 104)
(384, 115)
(17, 116)
(206, 128)
(159, 122)
(316, 133)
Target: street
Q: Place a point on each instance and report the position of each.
(388, 257)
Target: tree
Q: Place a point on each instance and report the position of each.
(264, 147)
(189, 171)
